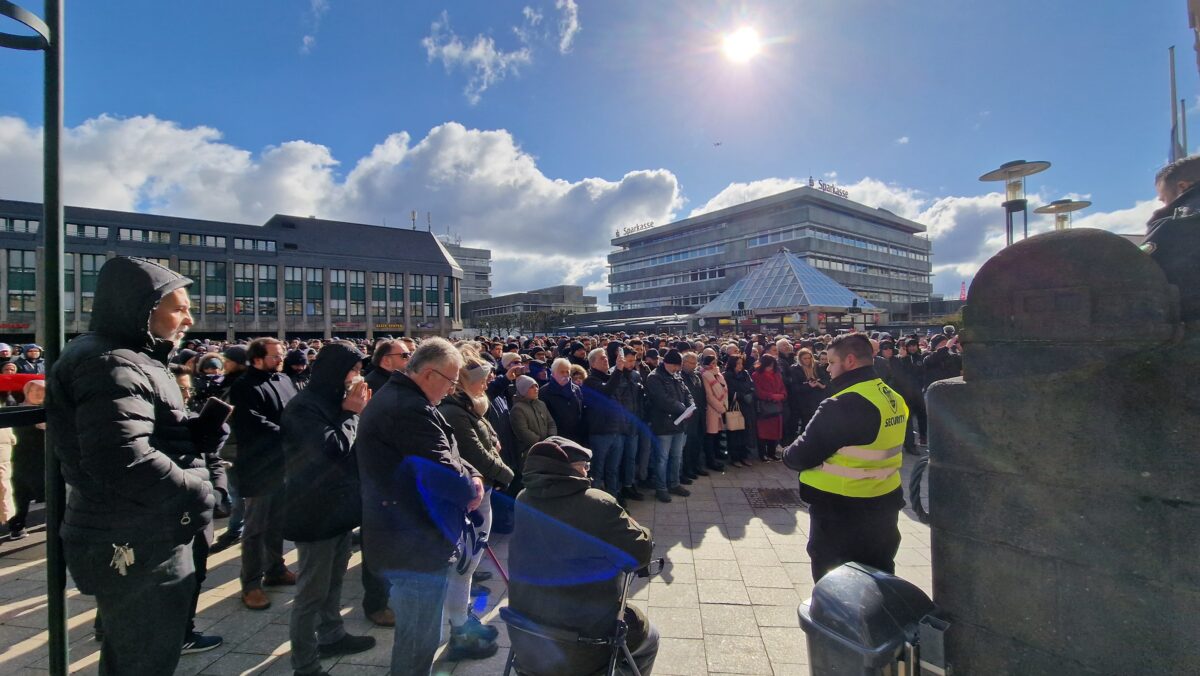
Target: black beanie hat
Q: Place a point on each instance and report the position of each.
(673, 357)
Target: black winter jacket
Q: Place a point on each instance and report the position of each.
(117, 421)
(602, 410)
(322, 486)
(940, 365)
(666, 399)
(415, 486)
(1174, 243)
(258, 399)
(566, 407)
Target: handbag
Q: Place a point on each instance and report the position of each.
(734, 420)
(770, 408)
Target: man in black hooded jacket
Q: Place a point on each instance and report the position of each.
(323, 501)
(136, 461)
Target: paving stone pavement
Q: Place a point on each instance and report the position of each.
(725, 603)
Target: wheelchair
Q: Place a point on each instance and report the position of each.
(522, 629)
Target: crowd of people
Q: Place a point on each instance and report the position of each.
(416, 451)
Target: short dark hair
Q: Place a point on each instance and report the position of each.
(382, 349)
(1183, 169)
(257, 349)
(856, 344)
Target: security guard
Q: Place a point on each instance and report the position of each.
(849, 459)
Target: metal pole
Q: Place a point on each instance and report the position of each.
(1025, 216)
(1008, 228)
(52, 329)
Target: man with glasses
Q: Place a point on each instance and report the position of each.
(258, 399)
(390, 355)
(416, 492)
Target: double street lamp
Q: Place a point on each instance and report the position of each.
(1013, 174)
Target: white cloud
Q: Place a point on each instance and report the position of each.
(903, 140)
(486, 64)
(568, 24)
(739, 193)
(480, 183)
(316, 11)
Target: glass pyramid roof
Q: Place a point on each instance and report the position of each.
(784, 282)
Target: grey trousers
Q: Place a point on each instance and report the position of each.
(316, 611)
(262, 539)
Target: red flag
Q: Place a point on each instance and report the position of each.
(15, 382)
(962, 291)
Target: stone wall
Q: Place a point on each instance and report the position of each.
(1065, 467)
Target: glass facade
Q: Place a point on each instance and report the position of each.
(314, 292)
(358, 293)
(416, 287)
(268, 290)
(243, 288)
(395, 282)
(22, 281)
(69, 283)
(337, 293)
(293, 291)
(215, 288)
(193, 271)
(89, 274)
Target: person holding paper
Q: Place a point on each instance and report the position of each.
(670, 405)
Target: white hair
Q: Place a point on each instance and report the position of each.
(595, 354)
(433, 352)
(559, 362)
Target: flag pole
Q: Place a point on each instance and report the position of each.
(1183, 125)
(1174, 109)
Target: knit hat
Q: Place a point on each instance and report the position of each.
(652, 353)
(211, 361)
(673, 357)
(295, 358)
(523, 385)
(5, 346)
(508, 358)
(936, 340)
(575, 347)
(887, 345)
(561, 449)
(236, 354)
(33, 346)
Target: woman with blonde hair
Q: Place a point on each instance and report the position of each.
(466, 410)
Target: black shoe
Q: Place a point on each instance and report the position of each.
(465, 645)
(680, 491)
(632, 493)
(481, 576)
(483, 631)
(199, 643)
(701, 472)
(347, 645)
(662, 496)
(685, 481)
(647, 484)
(18, 534)
(224, 542)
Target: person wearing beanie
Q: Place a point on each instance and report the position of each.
(531, 419)
(295, 366)
(5, 353)
(577, 354)
(667, 398)
(324, 501)
(507, 359)
(568, 562)
(941, 362)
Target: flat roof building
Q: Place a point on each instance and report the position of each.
(519, 310)
(876, 254)
(476, 265)
(292, 276)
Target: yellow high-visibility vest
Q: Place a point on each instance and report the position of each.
(874, 469)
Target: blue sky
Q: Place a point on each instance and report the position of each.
(536, 128)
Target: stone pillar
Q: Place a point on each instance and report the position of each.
(1064, 497)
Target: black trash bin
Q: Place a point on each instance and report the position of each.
(858, 621)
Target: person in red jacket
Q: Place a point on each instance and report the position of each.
(770, 395)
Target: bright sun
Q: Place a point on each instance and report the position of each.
(741, 45)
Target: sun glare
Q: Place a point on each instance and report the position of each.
(741, 45)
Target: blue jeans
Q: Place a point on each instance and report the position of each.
(668, 453)
(629, 459)
(607, 452)
(417, 600)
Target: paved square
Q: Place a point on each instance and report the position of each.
(725, 604)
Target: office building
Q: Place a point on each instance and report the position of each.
(476, 265)
(555, 304)
(874, 253)
(290, 277)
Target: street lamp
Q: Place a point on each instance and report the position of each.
(1062, 211)
(1013, 174)
(47, 39)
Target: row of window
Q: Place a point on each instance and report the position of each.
(19, 225)
(143, 235)
(886, 297)
(255, 289)
(693, 301)
(669, 280)
(663, 259)
(861, 268)
(830, 236)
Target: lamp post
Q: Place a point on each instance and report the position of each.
(47, 38)
(1013, 174)
(1062, 210)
